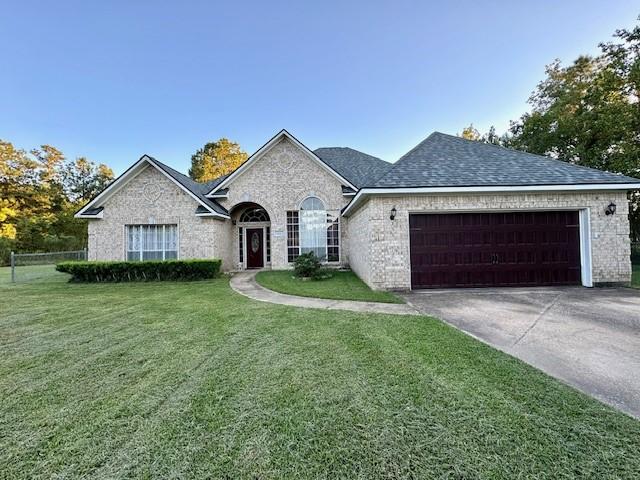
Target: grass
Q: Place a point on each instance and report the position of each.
(341, 286)
(30, 273)
(635, 276)
(178, 380)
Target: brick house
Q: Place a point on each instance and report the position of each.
(449, 213)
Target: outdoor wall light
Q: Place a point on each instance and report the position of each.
(611, 209)
(393, 213)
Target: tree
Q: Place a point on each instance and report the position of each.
(18, 182)
(588, 113)
(216, 159)
(82, 179)
(39, 193)
(470, 133)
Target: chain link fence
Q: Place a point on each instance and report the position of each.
(28, 267)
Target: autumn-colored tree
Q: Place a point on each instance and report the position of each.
(216, 159)
(470, 133)
(39, 193)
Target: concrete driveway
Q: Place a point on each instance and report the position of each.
(589, 338)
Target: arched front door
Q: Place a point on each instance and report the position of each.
(255, 247)
(254, 229)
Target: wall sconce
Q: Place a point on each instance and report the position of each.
(393, 213)
(611, 209)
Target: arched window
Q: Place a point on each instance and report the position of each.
(313, 227)
(255, 214)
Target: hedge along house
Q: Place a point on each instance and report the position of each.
(450, 213)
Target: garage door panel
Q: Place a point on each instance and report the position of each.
(494, 249)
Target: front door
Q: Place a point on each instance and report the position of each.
(255, 254)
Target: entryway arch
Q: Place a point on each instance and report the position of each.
(253, 225)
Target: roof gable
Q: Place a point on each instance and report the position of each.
(206, 206)
(265, 149)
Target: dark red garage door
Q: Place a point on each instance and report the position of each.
(494, 249)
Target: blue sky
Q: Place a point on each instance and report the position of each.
(113, 80)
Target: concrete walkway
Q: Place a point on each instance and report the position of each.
(245, 284)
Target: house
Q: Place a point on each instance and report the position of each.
(449, 213)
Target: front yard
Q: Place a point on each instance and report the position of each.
(174, 380)
(341, 286)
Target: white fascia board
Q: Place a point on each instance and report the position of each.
(113, 187)
(264, 149)
(214, 214)
(489, 189)
(129, 174)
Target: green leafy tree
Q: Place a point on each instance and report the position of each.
(588, 113)
(216, 159)
(18, 183)
(82, 179)
(39, 193)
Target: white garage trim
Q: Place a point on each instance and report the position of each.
(584, 217)
(585, 247)
(364, 192)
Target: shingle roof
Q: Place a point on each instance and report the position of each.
(198, 189)
(357, 167)
(444, 160)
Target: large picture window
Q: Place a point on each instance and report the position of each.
(152, 242)
(313, 229)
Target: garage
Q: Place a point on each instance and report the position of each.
(488, 249)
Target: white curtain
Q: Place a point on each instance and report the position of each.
(313, 225)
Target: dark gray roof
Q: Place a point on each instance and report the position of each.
(444, 160)
(198, 189)
(357, 167)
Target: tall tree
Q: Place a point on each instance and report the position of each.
(216, 159)
(588, 113)
(82, 179)
(18, 183)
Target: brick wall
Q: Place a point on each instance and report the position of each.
(389, 264)
(279, 181)
(148, 198)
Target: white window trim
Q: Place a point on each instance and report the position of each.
(326, 251)
(163, 225)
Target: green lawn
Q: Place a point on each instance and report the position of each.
(341, 286)
(175, 380)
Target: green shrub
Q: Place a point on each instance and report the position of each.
(140, 271)
(635, 253)
(307, 265)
